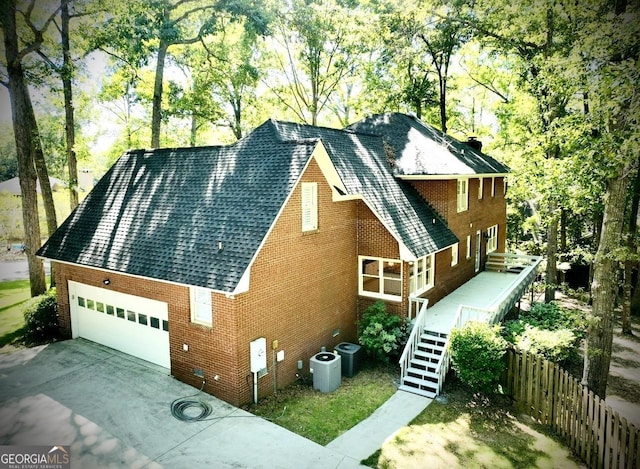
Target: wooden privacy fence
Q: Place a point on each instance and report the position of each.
(546, 392)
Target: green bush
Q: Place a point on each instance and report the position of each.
(557, 346)
(547, 329)
(41, 319)
(382, 335)
(477, 352)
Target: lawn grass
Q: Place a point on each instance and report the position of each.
(13, 296)
(322, 417)
(465, 430)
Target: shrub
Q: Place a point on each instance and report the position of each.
(382, 334)
(557, 346)
(477, 351)
(41, 319)
(547, 329)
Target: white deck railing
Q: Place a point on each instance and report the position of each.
(412, 342)
(524, 266)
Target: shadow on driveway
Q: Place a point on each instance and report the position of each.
(113, 410)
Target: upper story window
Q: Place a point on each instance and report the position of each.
(480, 188)
(201, 311)
(309, 206)
(421, 275)
(454, 254)
(380, 278)
(492, 238)
(463, 195)
(493, 187)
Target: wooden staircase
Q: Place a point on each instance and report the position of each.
(422, 374)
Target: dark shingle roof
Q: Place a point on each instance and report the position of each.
(161, 213)
(424, 150)
(361, 164)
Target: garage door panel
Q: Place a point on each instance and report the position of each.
(134, 325)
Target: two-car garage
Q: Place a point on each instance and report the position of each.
(134, 325)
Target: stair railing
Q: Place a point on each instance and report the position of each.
(414, 336)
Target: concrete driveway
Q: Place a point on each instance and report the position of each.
(113, 410)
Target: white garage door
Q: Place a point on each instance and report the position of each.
(132, 324)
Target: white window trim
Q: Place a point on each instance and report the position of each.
(414, 274)
(462, 199)
(468, 246)
(309, 206)
(380, 294)
(201, 306)
(480, 188)
(493, 187)
(455, 250)
(492, 238)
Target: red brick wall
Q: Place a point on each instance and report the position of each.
(481, 214)
(303, 288)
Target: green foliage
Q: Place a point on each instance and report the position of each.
(41, 319)
(547, 329)
(556, 346)
(382, 335)
(477, 352)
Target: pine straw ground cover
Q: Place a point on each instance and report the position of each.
(461, 429)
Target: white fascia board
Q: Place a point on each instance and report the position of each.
(331, 175)
(441, 177)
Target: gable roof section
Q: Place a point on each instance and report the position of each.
(422, 150)
(161, 213)
(361, 164)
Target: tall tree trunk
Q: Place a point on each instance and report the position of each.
(552, 256)
(23, 117)
(605, 286)
(630, 264)
(156, 112)
(193, 133)
(442, 79)
(69, 121)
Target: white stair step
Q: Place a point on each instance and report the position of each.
(422, 355)
(423, 373)
(434, 349)
(432, 340)
(430, 362)
(420, 392)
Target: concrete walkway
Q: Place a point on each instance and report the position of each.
(369, 435)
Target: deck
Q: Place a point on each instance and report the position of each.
(487, 297)
(480, 293)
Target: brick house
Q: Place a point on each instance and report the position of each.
(183, 257)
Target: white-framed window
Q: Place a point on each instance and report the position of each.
(421, 275)
(380, 278)
(309, 206)
(454, 254)
(201, 311)
(493, 187)
(480, 188)
(468, 246)
(463, 195)
(492, 238)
